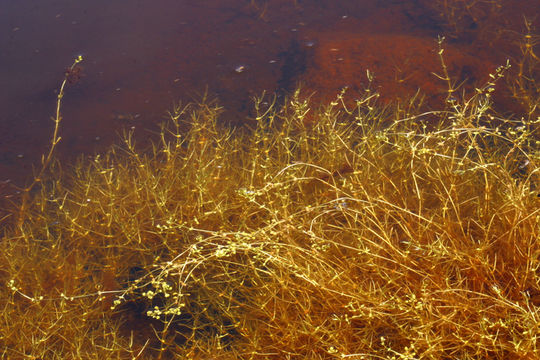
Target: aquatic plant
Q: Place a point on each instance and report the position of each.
(461, 17)
(362, 233)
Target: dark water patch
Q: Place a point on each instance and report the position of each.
(294, 64)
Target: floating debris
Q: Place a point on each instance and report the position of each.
(240, 69)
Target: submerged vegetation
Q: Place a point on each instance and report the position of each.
(365, 232)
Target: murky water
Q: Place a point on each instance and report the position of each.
(142, 56)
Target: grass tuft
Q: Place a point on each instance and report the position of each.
(356, 235)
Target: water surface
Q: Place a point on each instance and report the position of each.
(142, 56)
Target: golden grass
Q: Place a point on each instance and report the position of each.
(362, 235)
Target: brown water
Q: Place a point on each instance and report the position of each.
(142, 56)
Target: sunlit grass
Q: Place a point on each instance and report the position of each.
(354, 236)
(333, 232)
